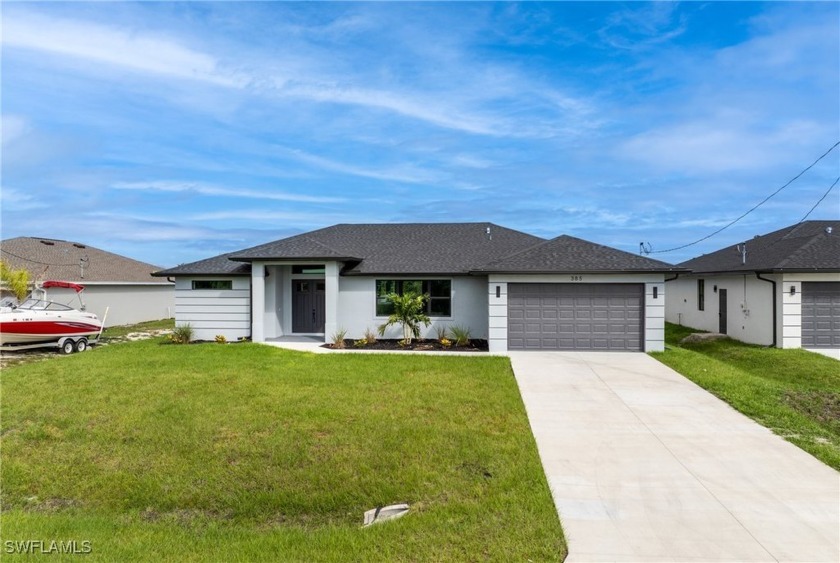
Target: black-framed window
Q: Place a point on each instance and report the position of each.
(701, 295)
(439, 303)
(310, 269)
(212, 284)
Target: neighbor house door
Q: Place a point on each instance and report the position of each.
(308, 305)
(722, 311)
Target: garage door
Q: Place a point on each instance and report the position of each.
(555, 316)
(821, 314)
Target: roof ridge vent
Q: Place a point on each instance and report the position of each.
(77, 245)
(48, 242)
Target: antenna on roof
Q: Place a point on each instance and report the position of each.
(82, 263)
(742, 248)
(645, 248)
(487, 232)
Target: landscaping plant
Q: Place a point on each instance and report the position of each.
(409, 312)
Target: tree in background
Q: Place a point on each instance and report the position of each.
(16, 280)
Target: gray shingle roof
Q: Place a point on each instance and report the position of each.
(60, 260)
(802, 247)
(406, 248)
(217, 265)
(566, 254)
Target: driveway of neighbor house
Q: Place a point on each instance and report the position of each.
(646, 466)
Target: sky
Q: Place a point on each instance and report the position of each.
(172, 132)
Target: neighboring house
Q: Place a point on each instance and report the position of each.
(781, 289)
(516, 290)
(125, 286)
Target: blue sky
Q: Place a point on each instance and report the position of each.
(171, 132)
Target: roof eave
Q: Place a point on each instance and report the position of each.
(250, 259)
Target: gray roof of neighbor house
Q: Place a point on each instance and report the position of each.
(805, 247)
(52, 259)
(217, 265)
(406, 248)
(566, 254)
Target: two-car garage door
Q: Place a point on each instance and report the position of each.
(821, 315)
(557, 316)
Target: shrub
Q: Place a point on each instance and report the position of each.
(461, 334)
(441, 333)
(181, 334)
(338, 338)
(409, 313)
(360, 343)
(220, 339)
(370, 336)
(445, 342)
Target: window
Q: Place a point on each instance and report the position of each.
(311, 269)
(212, 284)
(439, 303)
(701, 295)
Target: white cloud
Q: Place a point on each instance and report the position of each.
(216, 191)
(406, 174)
(156, 54)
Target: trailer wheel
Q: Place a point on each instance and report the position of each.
(68, 347)
(81, 345)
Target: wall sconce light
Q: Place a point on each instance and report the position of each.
(498, 291)
(714, 289)
(793, 290)
(655, 292)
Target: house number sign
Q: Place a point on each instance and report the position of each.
(577, 278)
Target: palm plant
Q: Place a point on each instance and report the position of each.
(409, 312)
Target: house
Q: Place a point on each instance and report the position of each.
(516, 290)
(124, 286)
(780, 289)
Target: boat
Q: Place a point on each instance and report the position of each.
(38, 322)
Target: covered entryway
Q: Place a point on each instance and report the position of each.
(569, 316)
(308, 306)
(821, 314)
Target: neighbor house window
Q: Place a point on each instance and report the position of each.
(701, 295)
(439, 303)
(212, 284)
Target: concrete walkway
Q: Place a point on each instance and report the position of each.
(646, 466)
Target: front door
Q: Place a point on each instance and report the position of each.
(722, 311)
(308, 306)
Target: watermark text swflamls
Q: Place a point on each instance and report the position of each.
(47, 547)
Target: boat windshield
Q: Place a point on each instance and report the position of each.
(41, 305)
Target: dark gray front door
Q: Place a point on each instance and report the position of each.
(308, 305)
(558, 316)
(722, 311)
(821, 314)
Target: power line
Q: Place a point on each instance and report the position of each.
(825, 195)
(765, 200)
(33, 261)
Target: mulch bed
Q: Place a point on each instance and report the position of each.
(476, 345)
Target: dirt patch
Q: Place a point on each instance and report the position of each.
(476, 345)
(822, 406)
(698, 337)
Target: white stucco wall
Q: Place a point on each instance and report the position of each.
(126, 303)
(749, 305)
(654, 338)
(357, 306)
(214, 312)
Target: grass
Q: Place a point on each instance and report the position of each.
(795, 393)
(244, 452)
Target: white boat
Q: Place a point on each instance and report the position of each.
(41, 322)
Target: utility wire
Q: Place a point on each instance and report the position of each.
(765, 200)
(33, 261)
(825, 195)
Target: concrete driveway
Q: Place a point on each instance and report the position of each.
(646, 466)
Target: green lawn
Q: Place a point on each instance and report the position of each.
(795, 393)
(243, 452)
